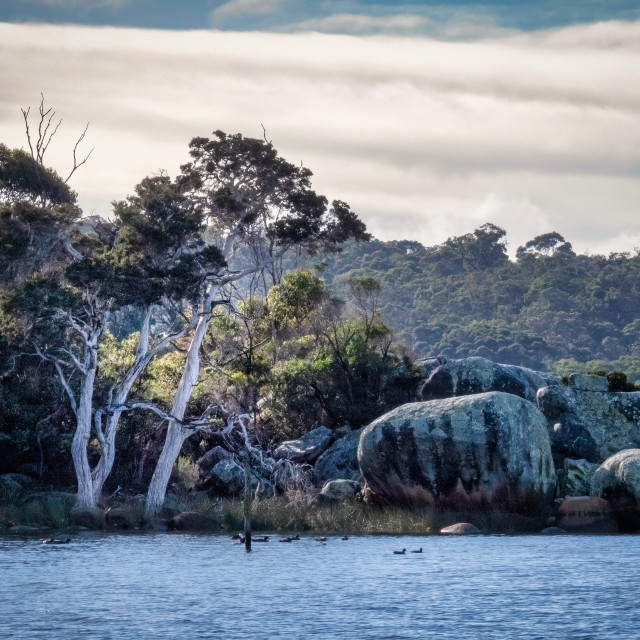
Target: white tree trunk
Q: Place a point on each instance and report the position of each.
(107, 457)
(176, 433)
(84, 418)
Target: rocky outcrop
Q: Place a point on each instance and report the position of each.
(576, 477)
(340, 460)
(306, 449)
(478, 375)
(586, 514)
(338, 490)
(89, 517)
(586, 422)
(618, 480)
(490, 448)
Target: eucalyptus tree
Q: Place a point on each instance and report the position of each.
(258, 207)
(64, 278)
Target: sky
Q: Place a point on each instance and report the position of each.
(428, 118)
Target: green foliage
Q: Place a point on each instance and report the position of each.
(465, 298)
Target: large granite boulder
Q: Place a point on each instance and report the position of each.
(340, 460)
(489, 448)
(618, 480)
(588, 422)
(306, 449)
(478, 375)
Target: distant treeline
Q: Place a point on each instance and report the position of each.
(548, 308)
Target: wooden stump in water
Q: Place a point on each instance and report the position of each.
(247, 507)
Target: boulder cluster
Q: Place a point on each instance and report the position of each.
(478, 435)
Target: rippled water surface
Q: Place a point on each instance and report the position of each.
(188, 586)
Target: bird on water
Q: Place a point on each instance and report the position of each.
(417, 550)
(400, 553)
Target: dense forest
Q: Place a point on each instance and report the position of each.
(548, 308)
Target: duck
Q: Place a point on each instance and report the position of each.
(238, 536)
(417, 550)
(323, 539)
(54, 541)
(344, 538)
(285, 540)
(296, 537)
(261, 539)
(400, 553)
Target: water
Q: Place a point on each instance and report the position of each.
(190, 586)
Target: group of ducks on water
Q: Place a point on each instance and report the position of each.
(322, 540)
(241, 538)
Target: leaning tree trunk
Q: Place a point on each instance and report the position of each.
(105, 463)
(176, 433)
(86, 496)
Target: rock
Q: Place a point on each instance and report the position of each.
(427, 365)
(584, 382)
(121, 518)
(618, 480)
(460, 529)
(192, 521)
(553, 531)
(590, 425)
(340, 460)
(577, 477)
(338, 490)
(490, 448)
(586, 514)
(90, 517)
(211, 459)
(478, 375)
(306, 449)
(226, 480)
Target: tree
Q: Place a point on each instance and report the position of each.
(259, 207)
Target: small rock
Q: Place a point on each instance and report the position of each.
(90, 517)
(121, 518)
(460, 529)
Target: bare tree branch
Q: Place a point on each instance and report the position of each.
(76, 164)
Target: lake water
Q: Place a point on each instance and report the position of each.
(201, 586)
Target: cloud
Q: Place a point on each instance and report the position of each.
(243, 8)
(81, 4)
(425, 139)
(359, 24)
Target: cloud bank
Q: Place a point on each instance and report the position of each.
(425, 139)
